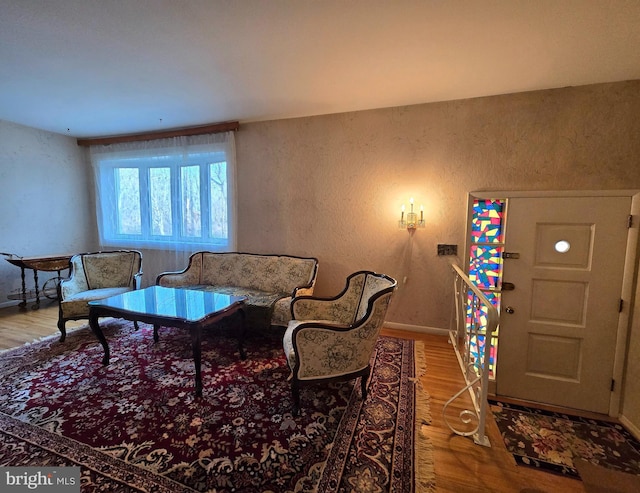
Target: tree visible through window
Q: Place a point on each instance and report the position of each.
(128, 190)
(160, 191)
(168, 196)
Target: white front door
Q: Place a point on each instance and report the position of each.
(559, 324)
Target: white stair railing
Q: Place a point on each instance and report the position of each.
(470, 300)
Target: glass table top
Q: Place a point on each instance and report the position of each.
(183, 304)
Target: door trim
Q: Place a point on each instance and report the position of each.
(629, 278)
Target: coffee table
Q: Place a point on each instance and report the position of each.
(188, 309)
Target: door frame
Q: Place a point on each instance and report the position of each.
(629, 278)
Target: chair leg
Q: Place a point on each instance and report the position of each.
(156, 337)
(364, 380)
(62, 329)
(295, 392)
(135, 324)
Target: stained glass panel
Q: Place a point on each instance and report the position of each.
(486, 222)
(476, 320)
(485, 271)
(476, 348)
(485, 265)
(478, 312)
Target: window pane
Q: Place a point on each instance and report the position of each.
(191, 212)
(160, 191)
(218, 192)
(128, 190)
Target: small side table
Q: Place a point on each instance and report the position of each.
(51, 263)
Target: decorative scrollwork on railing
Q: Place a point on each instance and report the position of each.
(470, 302)
(466, 416)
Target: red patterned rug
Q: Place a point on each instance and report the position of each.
(136, 424)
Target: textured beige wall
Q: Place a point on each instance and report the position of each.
(46, 200)
(332, 186)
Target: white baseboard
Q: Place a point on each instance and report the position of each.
(7, 304)
(44, 302)
(630, 427)
(416, 328)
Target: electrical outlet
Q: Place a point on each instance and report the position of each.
(447, 249)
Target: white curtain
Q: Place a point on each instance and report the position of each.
(167, 198)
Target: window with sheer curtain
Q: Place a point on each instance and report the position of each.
(175, 193)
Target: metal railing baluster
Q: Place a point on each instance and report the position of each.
(476, 373)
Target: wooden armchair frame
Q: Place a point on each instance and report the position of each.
(338, 333)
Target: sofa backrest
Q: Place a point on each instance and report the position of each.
(106, 269)
(373, 285)
(352, 304)
(271, 273)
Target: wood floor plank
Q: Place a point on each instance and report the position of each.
(461, 466)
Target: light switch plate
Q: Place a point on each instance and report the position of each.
(447, 249)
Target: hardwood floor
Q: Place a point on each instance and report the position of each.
(19, 327)
(460, 465)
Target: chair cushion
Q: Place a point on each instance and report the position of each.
(76, 305)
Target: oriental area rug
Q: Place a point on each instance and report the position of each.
(136, 424)
(560, 443)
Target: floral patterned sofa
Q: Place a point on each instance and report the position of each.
(268, 281)
(94, 276)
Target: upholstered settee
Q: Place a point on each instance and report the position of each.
(94, 276)
(269, 282)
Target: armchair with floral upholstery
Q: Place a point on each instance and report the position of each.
(334, 338)
(94, 276)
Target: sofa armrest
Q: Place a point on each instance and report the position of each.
(72, 285)
(190, 276)
(309, 308)
(320, 348)
(76, 282)
(137, 280)
(177, 279)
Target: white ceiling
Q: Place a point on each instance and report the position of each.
(90, 68)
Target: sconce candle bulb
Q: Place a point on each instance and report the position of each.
(411, 223)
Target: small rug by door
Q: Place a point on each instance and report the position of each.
(555, 442)
(136, 424)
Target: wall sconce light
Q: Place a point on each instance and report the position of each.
(411, 222)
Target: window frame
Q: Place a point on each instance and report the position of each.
(203, 156)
